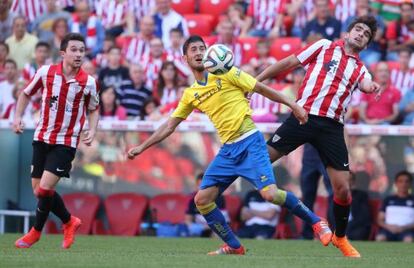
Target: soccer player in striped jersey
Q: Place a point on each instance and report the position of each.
(222, 99)
(334, 72)
(67, 93)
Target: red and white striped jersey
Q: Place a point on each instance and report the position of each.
(64, 104)
(29, 8)
(152, 70)
(176, 57)
(402, 80)
(345, 9)
(331, 77)
(264, 13)
(137, 50)
(141, 8)
(112, 12)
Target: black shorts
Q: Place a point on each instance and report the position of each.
(55, 158)
(325, 134)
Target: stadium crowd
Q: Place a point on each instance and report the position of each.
(134, 49)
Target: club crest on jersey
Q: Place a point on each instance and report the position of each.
(331, 66)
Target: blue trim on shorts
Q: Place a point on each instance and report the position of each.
(247, 158)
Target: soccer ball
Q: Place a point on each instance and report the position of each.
(218, 59)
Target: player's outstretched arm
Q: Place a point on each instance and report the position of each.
(93, 126)
(279, 67)
(165, 130)
(272, 94)
(22, 103)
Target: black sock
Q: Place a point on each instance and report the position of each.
(341, 214)
(59, 208)
(42, 212)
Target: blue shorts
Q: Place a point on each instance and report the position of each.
(247, 158)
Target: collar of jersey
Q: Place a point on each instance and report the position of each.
(205, 77)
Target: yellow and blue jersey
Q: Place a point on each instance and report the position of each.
(222, 99)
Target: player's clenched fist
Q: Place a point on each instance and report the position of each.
(134, 152)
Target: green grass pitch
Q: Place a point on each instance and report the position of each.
(106, 251)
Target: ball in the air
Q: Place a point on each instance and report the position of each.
(218, 59)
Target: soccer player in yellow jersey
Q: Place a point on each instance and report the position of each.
(243, 152)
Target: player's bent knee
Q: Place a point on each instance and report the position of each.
(42, 192)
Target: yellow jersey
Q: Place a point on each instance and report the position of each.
(222, 99)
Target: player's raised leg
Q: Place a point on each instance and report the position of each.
(341, 209)
(204, 201)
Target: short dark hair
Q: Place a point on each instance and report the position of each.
(71, 37)
(405, 49)
(177, 30)
(404, 173)
(190, 40)
(369, 21)
(42, 44)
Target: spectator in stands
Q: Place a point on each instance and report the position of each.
(41, 57)
(291, 90)
(60, 28)
(406, 108)
(21, 43)
(301, 12)
(174, 54)
(28, 9)
(359, 225)
(226, 37)
(263, 59)
(4, 52)
(113, 15)
(374, 52)
(101, 59)
(235, 13)
(6, 19)
(154, 63)
(109, 107)
(9, 112)
(324, 25)
(382, 110)
(90, 68)
(6, 87)
(388, 10)
(196, 223)
(137, 50)
(346, 8)
(133, 95)
(167, 86)
(138, 10)
(259, 217)
(114, 74)
(400, 32)
(396, 218)
(402, 77)
(264, 18)
(149, 111)
(42, 25)
(90, 26)
(312, 170)
(166, 19)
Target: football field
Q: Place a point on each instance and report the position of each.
(105, 251)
